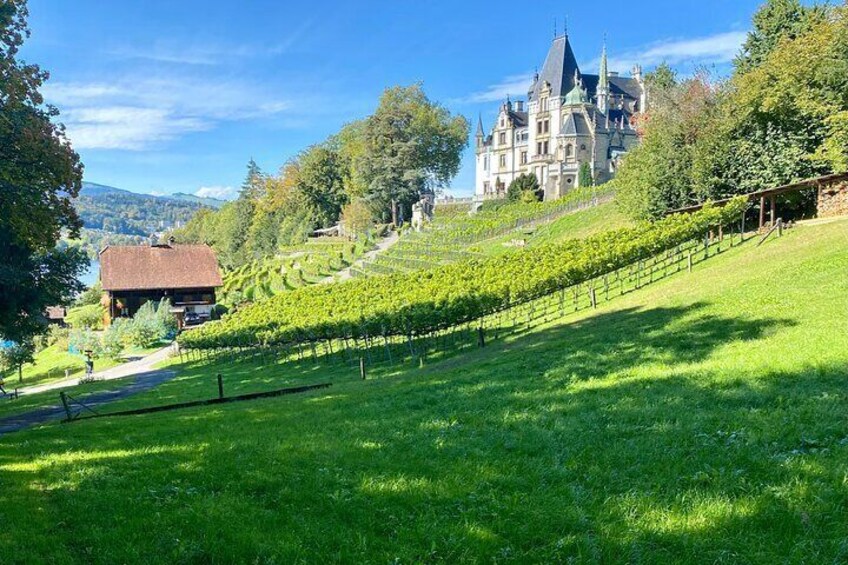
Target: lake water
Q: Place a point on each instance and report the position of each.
(89, 277)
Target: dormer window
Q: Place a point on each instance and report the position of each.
(502, 138)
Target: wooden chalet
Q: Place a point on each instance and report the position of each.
(134, 274)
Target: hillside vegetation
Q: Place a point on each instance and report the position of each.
(690, 421)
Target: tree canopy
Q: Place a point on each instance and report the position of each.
(781, 117)
(40, 174)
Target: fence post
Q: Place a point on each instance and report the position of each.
(220, 386)
(689, 261)
(592, 298)
(481, 337)
(362, 367)
(64, 398)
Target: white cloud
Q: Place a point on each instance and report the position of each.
(219, 192)
(514, 85)
(709, 50)
(136, 113)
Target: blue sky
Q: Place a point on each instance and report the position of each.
(162, 96)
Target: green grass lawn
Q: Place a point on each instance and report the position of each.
(701, 419)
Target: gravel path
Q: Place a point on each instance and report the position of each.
(384, 244)
(143, 365)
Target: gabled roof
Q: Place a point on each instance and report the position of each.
(157, 267)
(558, 70)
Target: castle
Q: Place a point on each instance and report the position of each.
(572, 121)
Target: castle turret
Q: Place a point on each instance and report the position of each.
(480, 133)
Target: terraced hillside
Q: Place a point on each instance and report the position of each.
(294, 267)
(456, 235)
(699, 419)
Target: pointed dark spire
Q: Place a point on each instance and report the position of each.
(558, 70)
(480, 132)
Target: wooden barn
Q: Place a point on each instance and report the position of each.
(134, 274)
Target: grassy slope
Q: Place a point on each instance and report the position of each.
(701, 419)
(576, 225)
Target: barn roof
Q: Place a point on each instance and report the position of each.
(148, 267)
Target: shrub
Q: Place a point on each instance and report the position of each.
(83, 340)
(114, 338)
(525, 187)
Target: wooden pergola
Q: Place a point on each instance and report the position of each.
(771, 194)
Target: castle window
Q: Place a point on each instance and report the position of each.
(538, 148)
(545, 147)
(547, 126)
(502, 138)
(523, 157)
(539, 127)
(503, 160)
(583, 147)
(486, 163)
(569, 150)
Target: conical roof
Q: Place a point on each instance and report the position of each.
(558, 71)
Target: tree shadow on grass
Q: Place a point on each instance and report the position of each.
(601, 440)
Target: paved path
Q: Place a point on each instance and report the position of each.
(382, 246)
(143, 365)
(139, 383)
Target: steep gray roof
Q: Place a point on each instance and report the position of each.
(518, 118)
(575, 124)
(558, 70)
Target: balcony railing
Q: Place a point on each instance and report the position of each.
(542, 158)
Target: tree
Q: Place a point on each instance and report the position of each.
(585, 175)
(39, 176)
(774, 21)
(523, 183)
(322, 183)
(411, 144)
(18, 355)
(357, 218)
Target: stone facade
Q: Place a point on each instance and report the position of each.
(571, 121)
(833, 200)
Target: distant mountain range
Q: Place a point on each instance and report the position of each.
(113, 216)
(98, 190)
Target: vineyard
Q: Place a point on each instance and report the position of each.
(293, 268)
(426, 301)
(456, 235)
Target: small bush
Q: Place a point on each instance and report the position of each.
(83, 340)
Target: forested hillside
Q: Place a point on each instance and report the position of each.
(120, 211)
